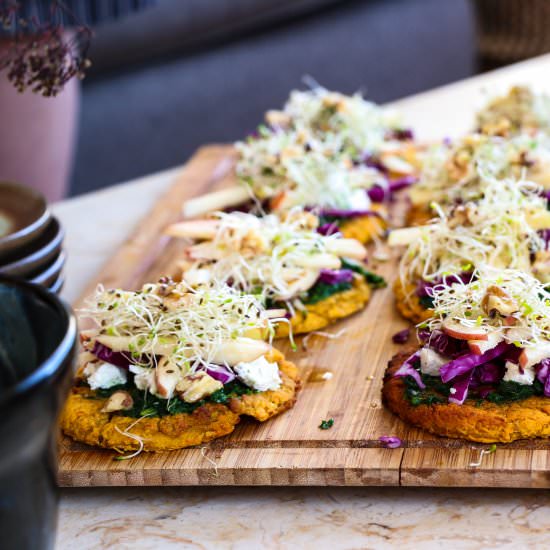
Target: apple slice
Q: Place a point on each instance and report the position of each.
(538, 219)
(461, 332)
(217, 200)
(406, 235)
(532, 356)
(479, 347)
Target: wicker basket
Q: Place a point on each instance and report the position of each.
(511, 30)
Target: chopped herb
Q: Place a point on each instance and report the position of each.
(320, 291)
(512, 391)
(427, 302)
(374, 280)
(326, 424)
(437, 391)
(146, 404)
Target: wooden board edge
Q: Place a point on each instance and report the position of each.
(255, 467)
(467, 467)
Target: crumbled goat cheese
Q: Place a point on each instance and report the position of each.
(259, 374)
(513, 374)
(431, 361)
(104, 375)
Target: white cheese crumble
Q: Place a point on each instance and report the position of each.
(259, 374)
(104, 375)
(431, 361)
(513, 374)
(359, 199)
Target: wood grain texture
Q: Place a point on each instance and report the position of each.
(291, 449)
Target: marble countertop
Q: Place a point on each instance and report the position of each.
(272, 518)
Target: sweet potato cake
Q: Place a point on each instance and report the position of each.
(504, 228)
(168, 367)
(85, 417)
(312, 278)
(481, 420)
(339, 156)
(455, 172)
(483, 370)
(520, 111)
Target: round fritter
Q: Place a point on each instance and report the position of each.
(484, 423)
(408, 303)
(267, 404)
(83, 420)
(365, 228)
(324, 313)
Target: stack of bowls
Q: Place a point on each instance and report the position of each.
(30, 238)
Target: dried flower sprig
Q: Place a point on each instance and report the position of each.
(42, 57)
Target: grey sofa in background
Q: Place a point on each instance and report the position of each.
(189, 72)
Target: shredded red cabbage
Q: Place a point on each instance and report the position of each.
(545, 235)
(408, 369)
(543, 375)
(328, 229)
(220, 373)
(512, 354)
(488, 373)
(467, 362)
(335, 276)
(459, 389)
(426, 288)
(116, 358)
(401, 134)
(377, 193)
(443, 343)
(402, 336)
(390, 441)
(374, 162)
(402, 183)
(343, 213)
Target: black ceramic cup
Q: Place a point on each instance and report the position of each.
(38, 343)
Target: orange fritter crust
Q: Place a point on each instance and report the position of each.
(83, 420)
(408, 303)
(328, 311)
(486, 423)
(418, 215)
(365, 228)
(265, 405)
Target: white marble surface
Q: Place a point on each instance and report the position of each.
(283, 518)
(241, 518)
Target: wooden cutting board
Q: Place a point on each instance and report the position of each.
(291, 449)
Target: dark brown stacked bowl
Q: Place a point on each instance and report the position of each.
(30, 238)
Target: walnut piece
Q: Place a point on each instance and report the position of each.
(499, 301)
(118, 401)
(194, 387)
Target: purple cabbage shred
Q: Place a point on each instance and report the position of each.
(408, 369)
(335, 276)
(402, 336)
(390, 441)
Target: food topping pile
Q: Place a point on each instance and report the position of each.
(282, 259)
(328, 151)
(177, 344)
(504, 228)
(488, 339)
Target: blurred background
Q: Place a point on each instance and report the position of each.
(183, 73)
(177, 74)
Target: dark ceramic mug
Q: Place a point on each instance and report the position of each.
(38, 343)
